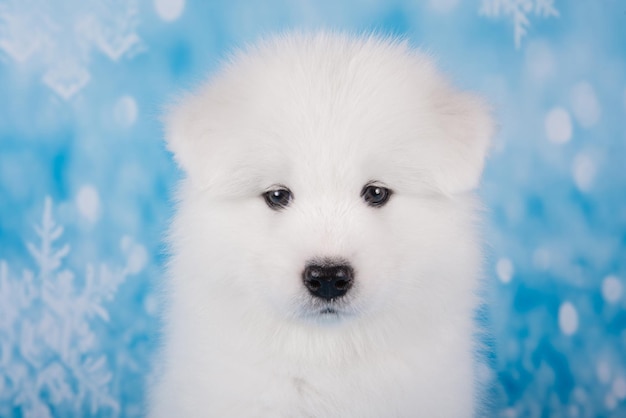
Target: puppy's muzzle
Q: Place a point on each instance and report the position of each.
(328, 279)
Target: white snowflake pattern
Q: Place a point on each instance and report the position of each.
(60, 37)
(50, 363)
(518, 11)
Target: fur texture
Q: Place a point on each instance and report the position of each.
(323, 114)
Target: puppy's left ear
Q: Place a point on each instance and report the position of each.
(467, 127)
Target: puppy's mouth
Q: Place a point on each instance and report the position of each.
(314, 309)
(328, 311)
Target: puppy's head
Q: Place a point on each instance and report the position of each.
(328, 177)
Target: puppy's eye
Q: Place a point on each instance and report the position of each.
(278, 198)
(375, 196)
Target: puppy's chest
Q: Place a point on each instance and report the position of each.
(349, 391)
(387, 385)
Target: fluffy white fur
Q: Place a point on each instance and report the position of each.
(323, 114)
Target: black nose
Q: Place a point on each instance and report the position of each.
(328, 281)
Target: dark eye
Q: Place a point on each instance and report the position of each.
(375, 196)
(278, 198)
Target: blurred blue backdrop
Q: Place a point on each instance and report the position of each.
(85, 184)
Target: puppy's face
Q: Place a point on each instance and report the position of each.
(327, 179)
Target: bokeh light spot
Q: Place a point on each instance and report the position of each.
(504, 269)
(619, 388)
(583, 171)
(169, 10)
(611, 289)
(585, 104)
(558, 125)
(88, 203)
(568, 318)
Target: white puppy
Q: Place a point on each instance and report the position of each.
(325, 258)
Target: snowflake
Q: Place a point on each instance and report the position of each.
(60, 36)
(518, 11)
(50, 364)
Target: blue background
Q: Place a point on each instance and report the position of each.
(85, 185)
